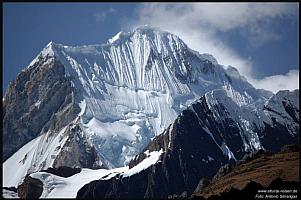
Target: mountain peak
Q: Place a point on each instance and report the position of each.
(141, 31)
(51, 43)
(151, 31)
(148, 29)
(160, 73)
(52, 46)
(49, 50)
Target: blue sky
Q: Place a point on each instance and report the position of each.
(261, 40)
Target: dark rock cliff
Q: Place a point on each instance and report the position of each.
(40, 101)
(188, 150)
(40, 98)
(192, 148)
(31, 188)
(78, 152)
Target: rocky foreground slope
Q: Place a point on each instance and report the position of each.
(258, 171)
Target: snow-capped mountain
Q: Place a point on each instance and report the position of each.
(97, 106)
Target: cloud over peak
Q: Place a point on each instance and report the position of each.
(201, 25)
(288, 81)
(102, 16)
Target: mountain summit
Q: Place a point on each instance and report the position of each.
(98, 106)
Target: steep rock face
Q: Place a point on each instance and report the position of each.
(283, 112)
(78, 152)
(33, 100)
(63, 171)
(39, 108)
(31, 188)
(195, 146)
(188, 155)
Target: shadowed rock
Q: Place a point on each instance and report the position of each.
(31, 188)
(63, 171)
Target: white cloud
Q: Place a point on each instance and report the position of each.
(101, 16)
(288, 81)
(198, 24)
(227, 16)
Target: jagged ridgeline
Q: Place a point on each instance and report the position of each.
(99, 106)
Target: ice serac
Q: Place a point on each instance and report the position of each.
(110, 100)
(211, 132)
